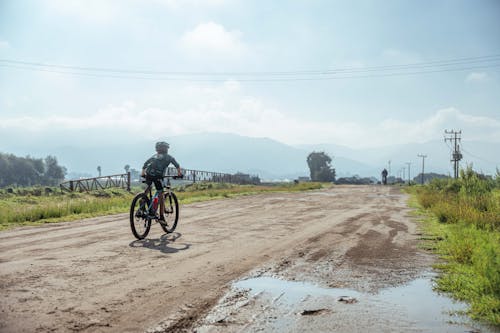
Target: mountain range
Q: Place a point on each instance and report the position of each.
(267, 158)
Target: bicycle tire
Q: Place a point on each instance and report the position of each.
(171, 213)
(140, 221)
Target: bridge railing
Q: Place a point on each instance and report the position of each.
(97, 183)
(124, 180)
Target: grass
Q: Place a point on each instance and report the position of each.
(32, 206)
(462, 223)
(25, 208)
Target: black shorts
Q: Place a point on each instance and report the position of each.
(157, 180)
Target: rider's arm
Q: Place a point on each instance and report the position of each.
(143, 173)
(176, 165)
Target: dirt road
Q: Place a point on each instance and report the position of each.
(93, 276)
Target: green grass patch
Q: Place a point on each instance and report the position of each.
(24, 208)
(461, 220)
(32, 206)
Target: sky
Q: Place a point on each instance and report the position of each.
(354, 73)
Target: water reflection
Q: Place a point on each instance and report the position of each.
(415, 305)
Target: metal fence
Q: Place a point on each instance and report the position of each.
(124, 180)
(97, 183)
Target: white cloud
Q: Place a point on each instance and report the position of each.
(476, 77)
(210, 38)
(227, 108)
(431, 128)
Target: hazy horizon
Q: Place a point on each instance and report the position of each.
(360, 74)
(268, 158)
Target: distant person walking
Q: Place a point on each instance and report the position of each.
(154, 170)
(384, 177)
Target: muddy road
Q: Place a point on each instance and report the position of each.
(93, 276)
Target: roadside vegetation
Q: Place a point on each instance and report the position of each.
(35, 205)
(464, 227)
(25, 171)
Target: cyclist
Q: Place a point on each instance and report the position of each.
(384, 177)
(154, 170)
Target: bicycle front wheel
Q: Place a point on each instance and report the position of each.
(140, 221)
(171, 213)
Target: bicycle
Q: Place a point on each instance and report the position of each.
(144, 209)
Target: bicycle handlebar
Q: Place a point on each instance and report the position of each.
(174, 177)
(166, 176)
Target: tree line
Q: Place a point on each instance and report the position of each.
(29, 171)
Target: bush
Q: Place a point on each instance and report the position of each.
(473, 184)
(473, 199)
(468, 212)
(472, 271)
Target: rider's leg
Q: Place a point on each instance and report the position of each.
(162, 205)
(159, 189)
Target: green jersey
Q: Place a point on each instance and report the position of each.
(158, 163)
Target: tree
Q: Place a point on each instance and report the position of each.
(355, 180)
(4, 170)
(428, 177)
(127, 168)
(99, 170)
(28, 171)
(53, 172)
(320, 167)
(134, 174)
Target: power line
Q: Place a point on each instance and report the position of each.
(458, 64)
(312, 78)
(480, 158)
(435, 63)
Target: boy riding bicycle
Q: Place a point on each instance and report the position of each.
(154, 170)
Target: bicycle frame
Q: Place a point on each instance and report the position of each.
(167, 190)
(143, 211)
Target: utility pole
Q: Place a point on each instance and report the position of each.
(456, 155)
(423, 159)
(403, 169)
(389, 174)
(409, 163)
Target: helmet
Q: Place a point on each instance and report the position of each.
(162, 147)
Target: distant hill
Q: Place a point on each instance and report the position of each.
(485, 156)
(230, 153)
(265, 157)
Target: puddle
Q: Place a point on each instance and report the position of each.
(425, 306)
(412, 307)
(290, 292)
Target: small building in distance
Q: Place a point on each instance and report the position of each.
(303, 179)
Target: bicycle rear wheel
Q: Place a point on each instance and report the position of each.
(171, 213)
(140, 222)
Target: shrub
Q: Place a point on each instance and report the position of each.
(468, 210)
